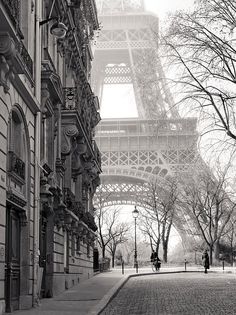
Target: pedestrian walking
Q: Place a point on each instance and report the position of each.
(155, 260)
(153, 255)
(205, 260)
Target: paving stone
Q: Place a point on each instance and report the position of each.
(172, 294)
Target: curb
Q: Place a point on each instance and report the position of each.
(109, 296)
(97, 309)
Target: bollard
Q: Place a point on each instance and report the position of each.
(123, 267)
(185, 265)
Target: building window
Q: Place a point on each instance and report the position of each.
(17, 153)
(48, 143)
(78, 245)
(73, 245)
(88, 250)
(17, 135)
(66, 252)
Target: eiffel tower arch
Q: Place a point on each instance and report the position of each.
(157, 143)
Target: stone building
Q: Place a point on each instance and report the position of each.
(49, 161)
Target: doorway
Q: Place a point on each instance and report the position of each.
(12, 268)
(43, 254)
(46, 247)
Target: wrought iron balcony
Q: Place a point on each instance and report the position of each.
(88, 219)
(74, 99)
(97, 153)
(13, 9)
(25, 58)
(84, 20)
(70, 98)
(16, 165)
(16, 57)
(79, 209)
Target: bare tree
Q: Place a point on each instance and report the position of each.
(168, 200)
(117, 236)
(159, 212)
(218, 10)
(106, 218)
(150, 223)
(201, 51)
(101, 215)
(229, 237)
(127, 250)
(111, 233)
(209, 202)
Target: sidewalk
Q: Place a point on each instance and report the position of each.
(80, 299)
(91, 296)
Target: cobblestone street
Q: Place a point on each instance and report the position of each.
(185, 293)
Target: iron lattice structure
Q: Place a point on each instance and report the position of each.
(119, 6)
(126, 52)
(157, 143)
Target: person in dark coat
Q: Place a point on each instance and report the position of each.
(155, 260)
(205, 260)
(153, 255)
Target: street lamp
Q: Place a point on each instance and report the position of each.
(58, 29)
(135, 214)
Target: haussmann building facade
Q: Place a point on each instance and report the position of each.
(49, 161)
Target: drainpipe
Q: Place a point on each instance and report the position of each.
(37, 72)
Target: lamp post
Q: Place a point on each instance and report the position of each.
(58, 29)
(135, 214)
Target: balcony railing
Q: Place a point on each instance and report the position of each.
(97, 153)
(13, 9)
(70, 97)
(69, 198)
(88, 219)
(73, 97)
(79, 209)
(16, 165)
(26, 59)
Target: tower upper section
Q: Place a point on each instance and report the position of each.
(127, 53)
(119, 6)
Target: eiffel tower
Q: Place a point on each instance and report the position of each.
(157, 143)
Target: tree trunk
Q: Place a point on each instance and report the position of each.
(210, 253)
(103, 251)
(165, 251)
(113, 260)
(216, 251)
(232, 253)
(157, 248)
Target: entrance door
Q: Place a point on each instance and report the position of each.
(95, 259)
(12, 260)
(46, 247)
(43, 254)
